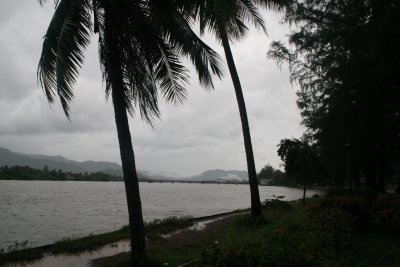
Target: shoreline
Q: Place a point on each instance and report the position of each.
(157, 229)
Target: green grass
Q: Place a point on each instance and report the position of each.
(244, 236)
(283, 232)
(377, 249)
(243, 229)
(154, 230)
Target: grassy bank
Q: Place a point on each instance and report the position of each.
(359, 229)
(342, 230)
(154, 230)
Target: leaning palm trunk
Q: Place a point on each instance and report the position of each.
(136, 226)
(251, 167)
(139, 47)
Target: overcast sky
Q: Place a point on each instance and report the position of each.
(203, 133)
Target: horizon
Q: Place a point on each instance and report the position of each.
(170, 174)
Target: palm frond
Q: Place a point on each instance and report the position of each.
(171, 74)
(250, 13)
(62, 54)
(42, 2)
(179, 34)
(273, 4)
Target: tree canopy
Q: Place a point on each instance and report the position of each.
(344, 54)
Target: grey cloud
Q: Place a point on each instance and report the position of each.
(203, 133)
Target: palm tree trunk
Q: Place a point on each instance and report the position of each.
(251, 167)
(136, 225)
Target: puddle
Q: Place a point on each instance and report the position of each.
(84, 259)
(197, 226)
(77, 260)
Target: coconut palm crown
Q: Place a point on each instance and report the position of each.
(140, 45)
(149, 37)
(226, 20)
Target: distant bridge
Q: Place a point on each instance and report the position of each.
(193, 182)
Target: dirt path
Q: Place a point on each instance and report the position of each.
(180, 239)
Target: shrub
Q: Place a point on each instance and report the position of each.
(387, 209)
(280, 249)
(322, 242)
(336, 191)
(276, 204)
(336, 225)
(356, 206)
(367, 193)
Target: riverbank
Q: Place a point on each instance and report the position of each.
(44, 212)
(346, 230)
(154, 230)
(111, 242)
(340, 230)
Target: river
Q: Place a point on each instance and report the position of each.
(43, 212)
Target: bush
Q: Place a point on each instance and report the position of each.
(323, 241)
(276, 204)
(367, 193)
(280, 249)
(356, 206)
(336, 224)
(387, 209)
(336, 191)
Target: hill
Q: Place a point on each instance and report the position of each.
(10, 158)
(219, 175)
(38, 161)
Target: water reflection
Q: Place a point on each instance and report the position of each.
(43, 212)
(77, 260)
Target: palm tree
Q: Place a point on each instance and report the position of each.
(140, 43)
(226, 20)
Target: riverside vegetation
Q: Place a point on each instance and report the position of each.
(342, 229)
(20, 251)
(45, 174)
(344, 54)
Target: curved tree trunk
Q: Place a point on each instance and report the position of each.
(251, 168)
(136, 225)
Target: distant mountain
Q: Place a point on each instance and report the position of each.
(10, 158)
(220, 175)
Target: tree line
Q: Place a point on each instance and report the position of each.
(344, 56)
(27, 173)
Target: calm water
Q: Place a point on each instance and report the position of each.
(43, 212)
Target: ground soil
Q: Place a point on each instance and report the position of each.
(182, 239)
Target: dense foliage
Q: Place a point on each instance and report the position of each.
(302, 163)
(344, 54)
(275, 176)
(330, 235)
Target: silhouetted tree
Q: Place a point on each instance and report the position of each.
(226, 20)
(345, 58)
(276, 177)
(139, 47)
(301, 162)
